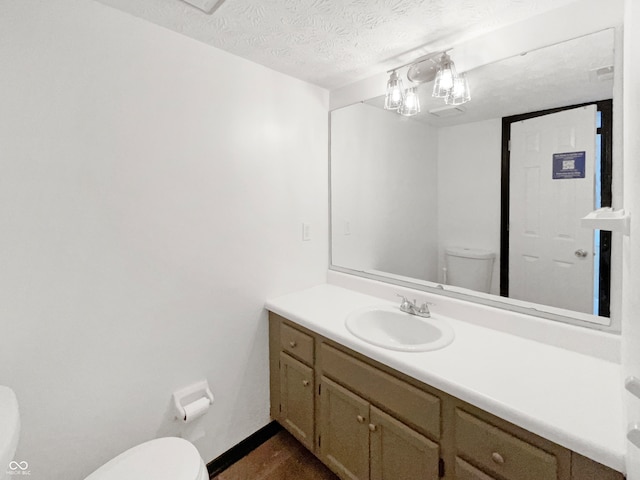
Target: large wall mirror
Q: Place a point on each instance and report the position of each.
(472, 201)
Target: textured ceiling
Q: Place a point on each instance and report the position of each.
(554, 76)
(332, 43)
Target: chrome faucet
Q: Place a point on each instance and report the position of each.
(410, 307)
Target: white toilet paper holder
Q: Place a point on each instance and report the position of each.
(191, 394)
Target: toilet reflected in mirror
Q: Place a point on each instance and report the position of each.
(469, 268)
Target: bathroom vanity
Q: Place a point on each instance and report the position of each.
(485, 407)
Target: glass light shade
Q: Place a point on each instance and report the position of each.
(411, 104)
(395, 93)
(460, 92)
(445, 78)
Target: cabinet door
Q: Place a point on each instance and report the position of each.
(344, 431)
(296, 399)
(464, 471)
(399, 452)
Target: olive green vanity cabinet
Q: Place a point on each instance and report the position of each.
(295, 384)
(366, 421)
(399, 452)
(392, 427)
(486, 447)
(296, 399)
(344, 439)
(359, 441)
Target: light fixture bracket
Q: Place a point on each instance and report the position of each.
(423, 71)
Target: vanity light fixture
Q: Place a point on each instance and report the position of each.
(449, 85)
(445, 78)
(459, 93)
(395, 93)
(411, 104)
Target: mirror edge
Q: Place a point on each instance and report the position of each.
(504, 303)
(604, 324)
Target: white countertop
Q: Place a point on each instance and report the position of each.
(570, 398)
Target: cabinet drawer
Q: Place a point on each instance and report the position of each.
(296, 343)
(464, 471)
(419, 409)
(501, 453)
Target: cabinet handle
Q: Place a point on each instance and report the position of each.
(292, 344)
(372, 427)
(305, 383)
(496, 457)
(360, 419)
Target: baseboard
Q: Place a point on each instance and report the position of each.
(242, 449)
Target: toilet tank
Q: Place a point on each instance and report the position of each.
(469, 268)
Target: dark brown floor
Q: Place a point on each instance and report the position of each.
(279, 458)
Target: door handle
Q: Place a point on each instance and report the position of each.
(581, 253)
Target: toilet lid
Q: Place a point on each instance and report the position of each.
(168, 458)
(464, 252)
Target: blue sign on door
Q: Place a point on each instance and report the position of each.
(568, 165)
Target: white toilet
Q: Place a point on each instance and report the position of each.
(469, 268)
(167, 458)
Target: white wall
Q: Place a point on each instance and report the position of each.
(631, 250)
(152, 195)
(384, 185)
(469, 185)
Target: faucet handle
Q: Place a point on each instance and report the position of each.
(424, 309)
(405, 304)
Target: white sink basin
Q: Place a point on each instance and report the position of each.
(388, 327)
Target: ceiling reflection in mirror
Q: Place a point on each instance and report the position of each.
(418, 199)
